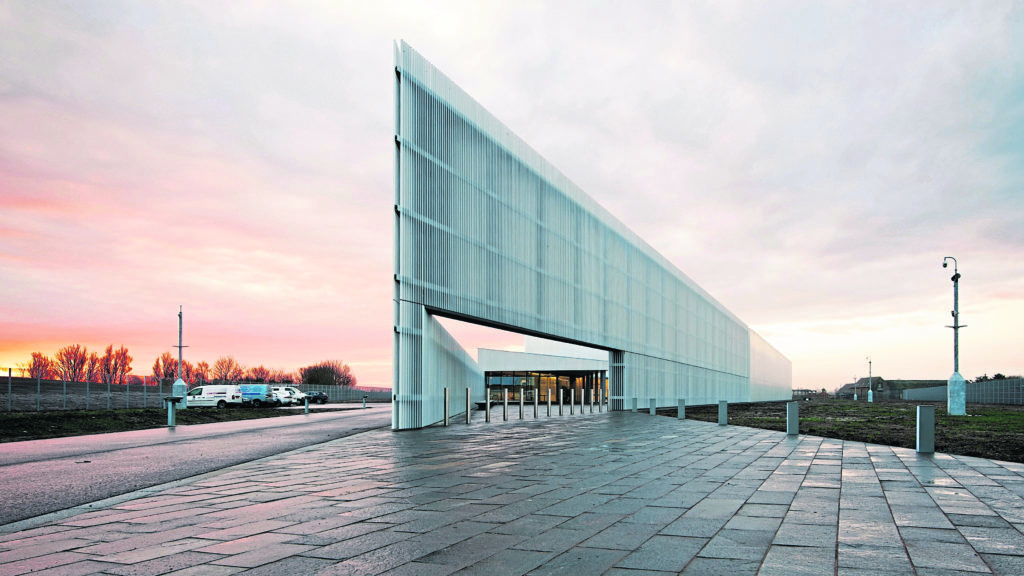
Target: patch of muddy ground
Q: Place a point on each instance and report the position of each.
(988, 431)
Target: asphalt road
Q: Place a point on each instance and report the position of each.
(42, 476)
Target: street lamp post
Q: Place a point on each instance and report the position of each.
(871, 394)
(956, 391)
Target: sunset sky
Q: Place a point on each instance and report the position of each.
(807, 163)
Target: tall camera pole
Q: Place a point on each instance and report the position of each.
(179, 346)
(956, 395)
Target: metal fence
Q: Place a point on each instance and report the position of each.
(33, 394)
(346, 394)
(1010, 391)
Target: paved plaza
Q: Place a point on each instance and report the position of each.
(619, 494)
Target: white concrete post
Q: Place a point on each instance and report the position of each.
(654, 404)
(793, 418)
(635, 402)
(445, 405)
(469, 405)
(682, 409)
(723, 412)
(926, 429)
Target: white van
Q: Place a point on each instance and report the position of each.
(217, 395)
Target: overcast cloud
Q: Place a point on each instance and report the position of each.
(809, 164)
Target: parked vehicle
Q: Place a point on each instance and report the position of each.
(298, 396)
(317, 397)
(220, 396)
(257, 395)
(281, 397)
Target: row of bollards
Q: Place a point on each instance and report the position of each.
(925, 414)
(925, 421)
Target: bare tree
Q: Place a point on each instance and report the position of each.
(328, 372)
(188, 371)
(70, 363)
(166, 367)
(40, 366)
(92, 368)
(115, 365)
(281, 377)
(201, 372)
(226, 369)
(257, 374)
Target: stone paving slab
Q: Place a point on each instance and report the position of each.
(608, 493)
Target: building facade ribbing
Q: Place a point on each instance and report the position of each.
(490, 232)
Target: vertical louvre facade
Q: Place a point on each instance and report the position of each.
(488, 231)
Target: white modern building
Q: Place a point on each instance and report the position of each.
(489, 232)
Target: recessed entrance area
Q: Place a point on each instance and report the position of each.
(532, 368)
(567, 385)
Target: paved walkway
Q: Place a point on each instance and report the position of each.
(619, 494)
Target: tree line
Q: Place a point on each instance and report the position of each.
(75, 363)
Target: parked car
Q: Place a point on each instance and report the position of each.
(317, 397)
(294, 393)
(282, 397)
(298, 396)
(217, 395)
(257, 395)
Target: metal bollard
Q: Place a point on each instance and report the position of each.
(572, 401)
(446, 406)
(487, 400)
(307, 404)
(469, 405)
(364, 402)
(793, 418)
(723, 412)
(654, 406)
(682, 409)
(590, 394)
(504, 414)
(925, 429)
(521, 399)
(549, 403)
(536, 400)
(560, 402)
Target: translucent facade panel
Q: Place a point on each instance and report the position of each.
(487, 230)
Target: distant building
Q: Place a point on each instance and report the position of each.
(883, 389)
(800, 393)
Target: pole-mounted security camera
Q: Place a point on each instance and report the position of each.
(944, 264)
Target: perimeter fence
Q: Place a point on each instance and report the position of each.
(1009, 391)
(36, 394)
